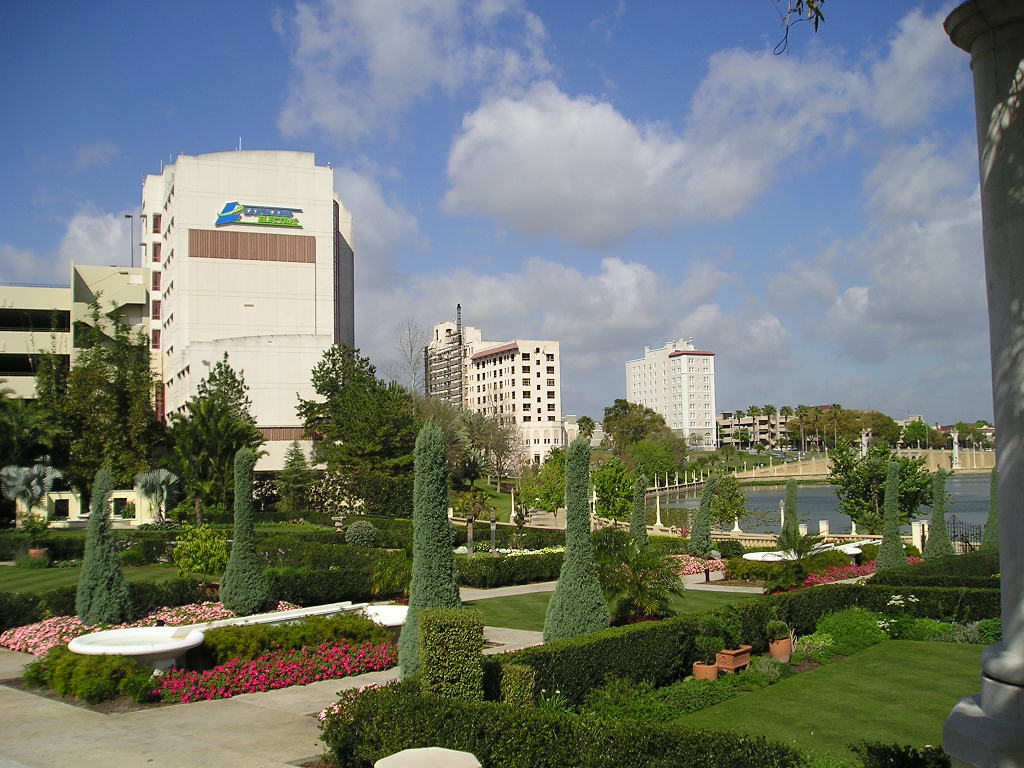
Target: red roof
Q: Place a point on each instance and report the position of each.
(702, 352)
(496, 350)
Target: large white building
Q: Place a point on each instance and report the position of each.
(249, 253)
(518, 381)
(677, 381)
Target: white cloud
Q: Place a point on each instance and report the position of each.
(97, 239)
(360, 63)
(18, 265)
(97, 154)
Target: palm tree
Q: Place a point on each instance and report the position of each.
(754, 412)
(786, 413)
(802, 413)
(29, 485)
(159, 487)
(770, 411)
(738, 417)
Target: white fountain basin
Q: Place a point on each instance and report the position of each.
(386, 615)
(155, 646)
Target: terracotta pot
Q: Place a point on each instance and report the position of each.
(733, 660)
(705, 671)
(781, 650)
(38, 551)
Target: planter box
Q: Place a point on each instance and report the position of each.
(733, 660)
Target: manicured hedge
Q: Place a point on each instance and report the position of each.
(975, 569)
(303, 586)
(70, 545)
(485, 571)
(388, 720)
(396, 533)
(284, 551)
(754, 570)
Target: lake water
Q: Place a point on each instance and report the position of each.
(970, 497)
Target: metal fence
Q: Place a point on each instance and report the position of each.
(966, 537)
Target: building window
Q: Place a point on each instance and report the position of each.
(155, 312)
(551, 369)
(156, 252)
(551, 395)
(155, 339)
(526, 369)
(551, 382)
(526, 355)
(551, 418)
(550, 358)
(156, 223)
(526, 382)
(551, 406)
(526, 406)
(156, 281)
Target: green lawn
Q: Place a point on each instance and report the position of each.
(502, 502)
(527, 611)
(899, 691)
(40, 580)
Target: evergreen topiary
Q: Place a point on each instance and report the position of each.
(990, 541)
(791, 520)
(700, 533)
(244, 588)
(577, 606)
(102, 596)
(890, 553)
(451, 664)
(638, 522)
(938, 544)
(362, 533)
(433, 564)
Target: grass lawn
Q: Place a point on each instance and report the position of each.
(40, 580)
(898, 691)
(502, 502)
(527, 611)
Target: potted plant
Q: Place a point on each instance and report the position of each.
(780, 641)
(707, 648)
(734, 656)
(35, 527)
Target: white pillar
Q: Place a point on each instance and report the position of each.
(657, 509)
(988, 729)
(736, 525)
(917, 534)
(823, 528)
(782, 514)
(803, 529)
(956, 448)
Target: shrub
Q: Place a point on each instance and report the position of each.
(91, 679)
(890, 554)
(451, 640)
(102, 596)
(878, 755)
(32, 562)
(777, 630)
(368, 725)
(852, 630)
(708, 647)
(729, 549)
(433, 567)
(19, 608)
(626, 700)
(361, 533)
(485, 571)
(202, 550)
(304, 586)
(938, 543)
(518, 685)
(990, 631)
(700, 534)
(249, 642)
(974, 569)
(638, 522)
(577, 605)
(244, 588)
(132, 558)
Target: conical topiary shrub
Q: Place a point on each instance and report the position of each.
(102, 596)
(891, 554)
(990, 541)
(577, 606)
(638, 522)
(700, 533)
(244, 588)
(938, 544)
(791, 518)
(433, 564)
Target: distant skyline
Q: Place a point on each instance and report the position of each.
(607, 174)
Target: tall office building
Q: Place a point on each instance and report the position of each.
(678, 382)
(249, 253)
(517, 381)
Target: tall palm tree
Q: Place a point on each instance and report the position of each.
(786, 413)
(754, 412)
(29, 485)
(770, 411)
(159, 487)
(802, 413)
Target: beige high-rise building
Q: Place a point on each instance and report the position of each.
(517, 381)
(677, 381)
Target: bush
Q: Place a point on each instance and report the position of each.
(753, 570)
(975, 569)
(624, 700)
(244, 588)
(18, 609)
(250, 642)
(361, 533)
(32, 563)
(304, 586)
(102, 596)
(132, 557)
(451, 640)
(518, 685)
(485, 571)
(201, 550)
(730, 549)
(990, 631)
(878, 755)
(91, 679)
(852, 630)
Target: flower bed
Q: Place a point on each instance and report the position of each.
(40, 637)
(279, 669)
(689, 565)
(840, 573)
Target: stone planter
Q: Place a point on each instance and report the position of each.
(705, 671)
(781, 650)
(733, 660)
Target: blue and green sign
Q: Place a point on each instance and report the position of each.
(236, 213)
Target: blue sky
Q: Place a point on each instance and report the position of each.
(609, 174)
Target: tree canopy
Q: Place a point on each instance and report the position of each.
(627, 423)
(860, 485)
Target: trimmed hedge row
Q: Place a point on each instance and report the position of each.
(663, 651)
(70, 545)
(385, 721)
(974, 569)
(396, 533)
(485, 571)
(754, 570)
(20, 608)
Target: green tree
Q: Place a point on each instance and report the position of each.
(29, 485)
(638, 521)
(577, 605)
(653, 457)
(544, 486)
(938, 544)
(293, 482)
(365, 429)
(882, 427)
(792, 516)
(244, 588)
(890, 553)
(614, 488)
(729, 502)
(587, 426)
(990, 541)
(636, 581)
(25, 431)
(860, 484)
(227, 390)
(433, 564)
(915, 433)
(160, 487)
(700, 532)
(102, 596)
(627, 423)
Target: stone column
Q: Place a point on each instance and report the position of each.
(956, 449)
(864, 433)
(988, 729)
